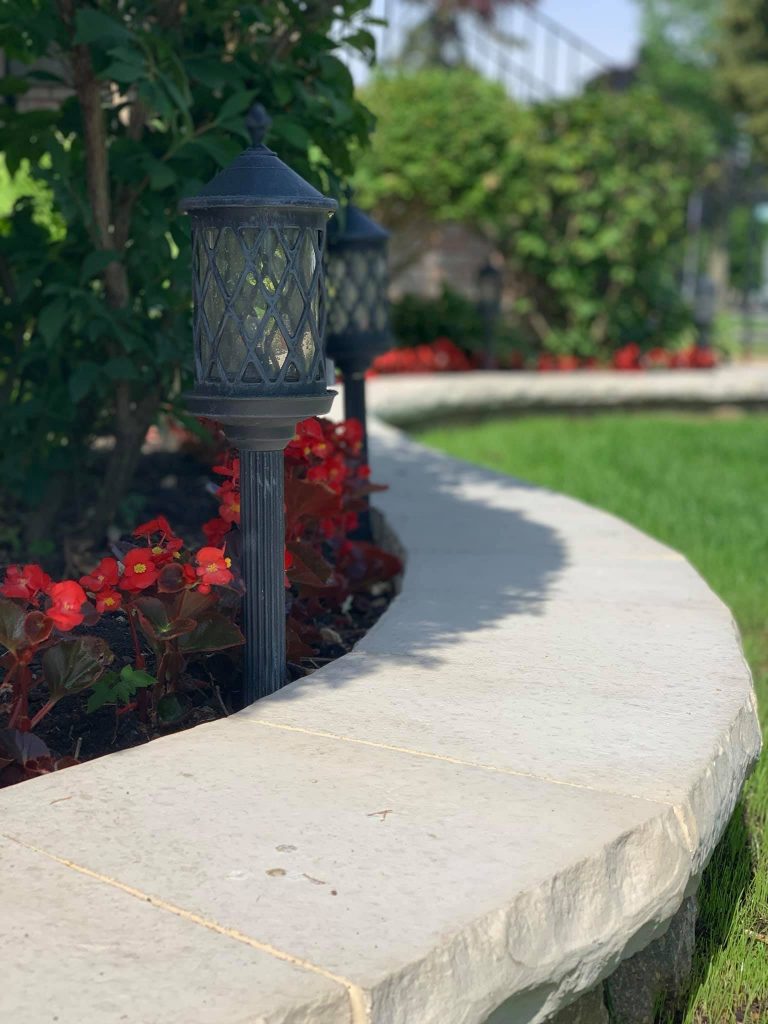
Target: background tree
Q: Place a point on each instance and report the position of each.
(743, 68)
(442, 138)
(96, 314)
(586, 197)
(678, 55)
(595, 238)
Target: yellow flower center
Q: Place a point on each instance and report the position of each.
(211, 567)
(109, 601)
(157, 550)
(139, 568)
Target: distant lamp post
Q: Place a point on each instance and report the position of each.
(358, 306)
(704, 309)
(257, 246)
(490, 284)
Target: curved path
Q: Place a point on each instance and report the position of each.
(510, 785)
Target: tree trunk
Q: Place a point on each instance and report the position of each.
(110, 232)
(132, 420)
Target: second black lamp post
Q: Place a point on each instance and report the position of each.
(358, 304)
(490, 284)
(258, 232)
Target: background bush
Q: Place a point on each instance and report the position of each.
(585, 197)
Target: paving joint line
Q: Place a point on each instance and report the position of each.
(356, 996)
(461, 762)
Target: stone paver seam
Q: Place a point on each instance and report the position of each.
(323, 734)
(357, 999)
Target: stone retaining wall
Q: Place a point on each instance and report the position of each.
(503, 795)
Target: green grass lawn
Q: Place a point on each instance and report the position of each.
(700, 484)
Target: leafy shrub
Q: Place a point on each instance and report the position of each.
(595, 246)
(585, 197)
(441, 150)
(95, 299)
(417, 320)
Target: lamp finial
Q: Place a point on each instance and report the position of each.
(258, 123)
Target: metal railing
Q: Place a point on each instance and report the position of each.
(531, 54)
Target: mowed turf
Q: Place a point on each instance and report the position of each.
(700, 484)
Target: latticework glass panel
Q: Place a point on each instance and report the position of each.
(257, 309)
(357, 291)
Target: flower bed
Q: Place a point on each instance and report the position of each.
(150, 635)
(442, 355)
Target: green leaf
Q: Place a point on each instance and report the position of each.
(161, 175)
(121, 368)
(124, 73)
(290, 130)
(235, 104)
(214, 633)
(95, 262)
(74, 665)
(169, 709)
(94, 26)
(82, 379)
(51, 320)
(119, 689)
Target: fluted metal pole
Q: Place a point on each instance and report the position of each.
(354, 409)
(354, 404)
(263, 538)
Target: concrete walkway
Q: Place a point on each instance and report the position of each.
(410, 398)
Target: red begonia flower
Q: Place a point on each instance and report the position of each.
(68, 599)
(26, 583)
(213, 567)
(215, 531)
(229, 509)
(103, 577)
(157, 525)
(108, 601)
(139, 570)
(165, 552)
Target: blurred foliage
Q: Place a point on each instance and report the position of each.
(743, 71)
(417, 320)
(678, 55)
(585, 197)
(442, 140)
(94, 258)
(595, 243)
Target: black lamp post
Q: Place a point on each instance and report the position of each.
(489, 289)
(704, 309)
(358, 307)
(258, 233)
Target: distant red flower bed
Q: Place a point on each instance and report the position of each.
(442, 355)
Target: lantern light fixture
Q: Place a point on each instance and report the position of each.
(358, 303)
(258, 235)
(490, 285)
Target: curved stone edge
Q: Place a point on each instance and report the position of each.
(416, 398)
(537, 950)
